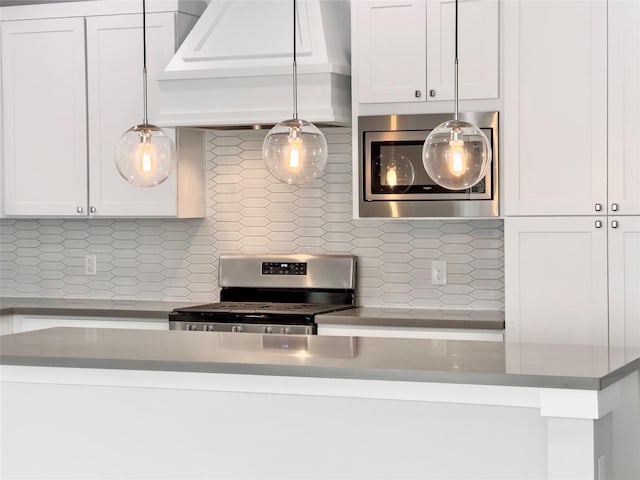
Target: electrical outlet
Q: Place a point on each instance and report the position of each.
(90, 265)
(438, 272)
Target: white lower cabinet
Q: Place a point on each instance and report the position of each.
(624, 281)
(26, 323)
(404, 332)
(573, 280)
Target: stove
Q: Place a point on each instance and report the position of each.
(278, 294)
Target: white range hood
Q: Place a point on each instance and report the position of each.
(235, 66)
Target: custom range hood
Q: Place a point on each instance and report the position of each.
(234, 69)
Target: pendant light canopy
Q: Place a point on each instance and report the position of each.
(145, 156)
(295, 151)
(456, 154)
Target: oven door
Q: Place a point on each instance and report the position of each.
(394, 170)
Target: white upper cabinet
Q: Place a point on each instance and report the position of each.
(404, 50)
(114, 77)
(624, 107)
(44, 116)
(478, 49)
(391, 51)
(71, 86)
(555, 98)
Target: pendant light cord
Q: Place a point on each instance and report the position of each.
(295, 67)
(455, 88)
(145, 120)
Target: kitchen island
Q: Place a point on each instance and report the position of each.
(113, 403)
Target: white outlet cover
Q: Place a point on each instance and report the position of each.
(438, 272)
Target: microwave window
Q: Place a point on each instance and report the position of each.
(397, 168)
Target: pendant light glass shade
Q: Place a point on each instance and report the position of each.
(456, 155)
(145, 156)
(295, 151)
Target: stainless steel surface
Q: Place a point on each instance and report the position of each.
(614, 224)
(598, 207)
(614, 207)
(323, 271)
(598, 223)
(399, 205)
(271, 329)
(442, 361)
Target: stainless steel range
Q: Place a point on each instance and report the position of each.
(273, 294)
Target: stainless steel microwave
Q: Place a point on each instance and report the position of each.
(398, 139)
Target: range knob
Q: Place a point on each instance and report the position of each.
(191, 328)
(287, 330)
(208, 328)
(236, 329)
(268, 330)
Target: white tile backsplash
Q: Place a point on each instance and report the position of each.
(250, 212)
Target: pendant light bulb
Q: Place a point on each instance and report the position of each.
(295, 151)
(145, 156)
(456, 154)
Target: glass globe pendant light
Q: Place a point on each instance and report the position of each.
(456, 154)
(295, 151)
(145, 156)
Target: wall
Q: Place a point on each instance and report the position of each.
(250, 212)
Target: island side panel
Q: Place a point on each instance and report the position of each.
(82, 431)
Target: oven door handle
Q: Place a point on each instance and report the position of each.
(248, 315)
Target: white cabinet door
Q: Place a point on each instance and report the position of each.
(624, 105)
(391, 50)
(114, 74)
(556, 280)
(478, 49)
(555, 93)
(624, 281)
(45, 127)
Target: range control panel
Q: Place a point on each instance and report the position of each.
(281, 268)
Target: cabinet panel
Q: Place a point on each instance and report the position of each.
(556, 280)
(624, 281)
(478, 48)
(555, 106)
(45, 134)
(624, 105)
(114, 70)
(391, 36)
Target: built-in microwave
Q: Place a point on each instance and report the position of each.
(393, 181)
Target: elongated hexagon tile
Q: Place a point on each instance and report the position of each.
(249, 211)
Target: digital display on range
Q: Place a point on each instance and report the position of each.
(284, 268)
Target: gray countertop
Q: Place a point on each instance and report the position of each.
(363, 316)
(88, 307)
(415, 318)
(392, 359)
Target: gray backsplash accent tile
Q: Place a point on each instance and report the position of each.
(250, 212)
